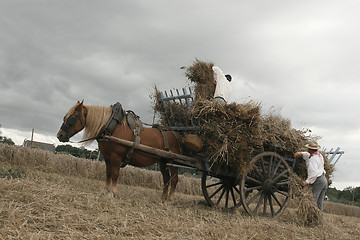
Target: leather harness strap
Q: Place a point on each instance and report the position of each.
(132, 117)
(136, 127)
(166, 141)
(116, 118)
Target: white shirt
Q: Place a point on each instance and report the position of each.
(315, 166)
(223, 87)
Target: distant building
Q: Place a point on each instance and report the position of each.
(45, 146)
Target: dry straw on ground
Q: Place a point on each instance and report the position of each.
(46, 199)
(308, 213)
(72, 166)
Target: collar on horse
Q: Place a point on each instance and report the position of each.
(117, 116)
(133, 122)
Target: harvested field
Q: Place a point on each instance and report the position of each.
(48, 196)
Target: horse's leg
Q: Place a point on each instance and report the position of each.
(173, 181)
(166, 179)
(115, 168)
(108, 175)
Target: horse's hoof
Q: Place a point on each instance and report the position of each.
(111, 195)
(166, 201)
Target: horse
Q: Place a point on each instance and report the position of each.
(93, 119)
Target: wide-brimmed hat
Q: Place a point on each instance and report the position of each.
(228, 77)
(313, 145)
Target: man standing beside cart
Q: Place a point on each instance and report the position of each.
(315, 172)
(223, 87)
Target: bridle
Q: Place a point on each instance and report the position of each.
(70, 122)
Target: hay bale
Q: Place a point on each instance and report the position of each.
(201, 74)
(308, 214)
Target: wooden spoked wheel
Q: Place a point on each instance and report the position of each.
(222, 192)
(265, 187)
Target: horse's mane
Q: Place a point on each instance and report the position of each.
(96, 118)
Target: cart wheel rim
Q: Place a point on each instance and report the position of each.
(222, 192)
(265, 187)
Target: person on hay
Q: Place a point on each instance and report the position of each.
(315, 172)
(223, 87)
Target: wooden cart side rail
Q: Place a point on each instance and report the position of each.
(184, 99)
(178, 158)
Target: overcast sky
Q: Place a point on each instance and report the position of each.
(299, 57)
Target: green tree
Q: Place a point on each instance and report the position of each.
(6, 140)
(79, 152)
(350, 195)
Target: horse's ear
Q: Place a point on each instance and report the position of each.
(80, 104)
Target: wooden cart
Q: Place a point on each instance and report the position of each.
(263, 189)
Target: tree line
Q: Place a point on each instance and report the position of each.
(79, 152)
(349, 196)
(5, 140)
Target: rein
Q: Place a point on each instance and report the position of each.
(102, 135)
(89, 139)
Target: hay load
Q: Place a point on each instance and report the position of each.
(275, 130)
(201, 74)
(231, 132)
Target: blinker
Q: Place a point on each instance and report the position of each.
(71, 120)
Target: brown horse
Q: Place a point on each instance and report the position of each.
(93, 118)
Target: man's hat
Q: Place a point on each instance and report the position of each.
(313, 145)
(228, 77)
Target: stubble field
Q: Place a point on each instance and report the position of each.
(52, 196)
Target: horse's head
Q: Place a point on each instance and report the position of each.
(74, 122)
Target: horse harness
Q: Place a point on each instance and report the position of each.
(134, 124)
(70, 122)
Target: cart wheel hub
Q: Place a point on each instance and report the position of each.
(269, 186)
(228, 183)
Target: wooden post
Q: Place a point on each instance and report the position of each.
(32, 137)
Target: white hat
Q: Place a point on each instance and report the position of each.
(313, 145)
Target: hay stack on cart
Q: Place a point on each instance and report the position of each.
(231, 132)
